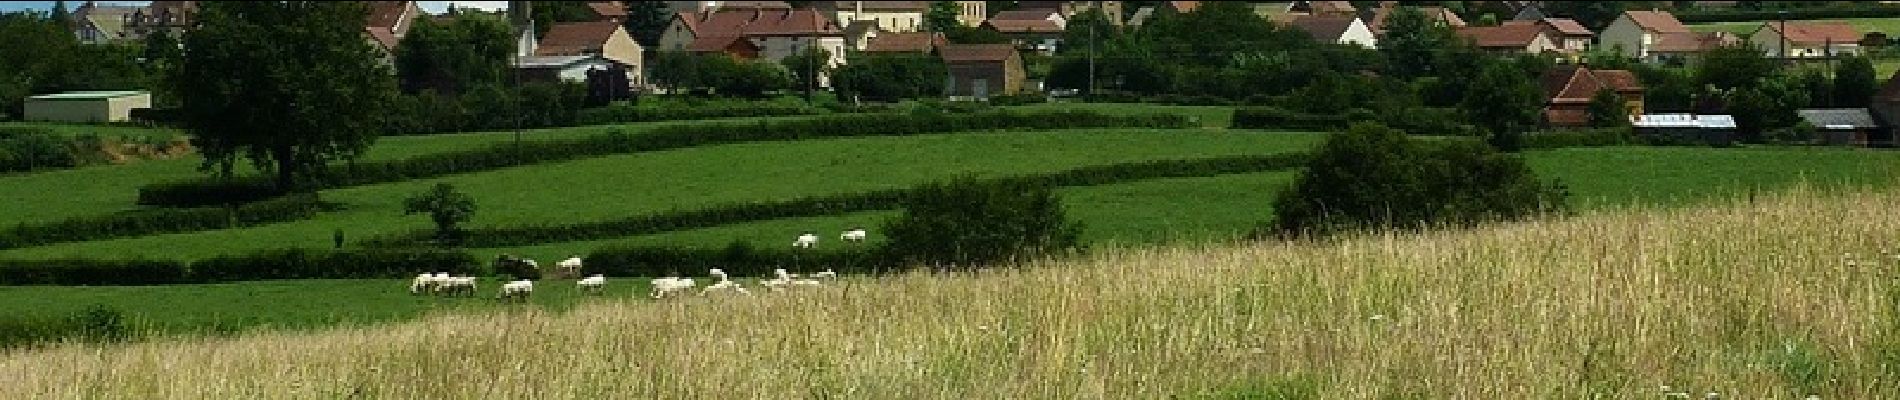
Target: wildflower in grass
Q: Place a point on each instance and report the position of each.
(1378, 317)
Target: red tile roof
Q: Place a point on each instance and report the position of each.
(1435, 13)
(1326, 29)
(759, 22)
(1502, 36)
(1656, 21)
(609, 9)
(1024, 21)
(1567, 116)
(914, 42)
(912, 6)
(976, 52)
(1185, 6)
(386, 14)
(1818, 33)
(720, 44)
(571, 38)
(1567, 27)
(1569, 88)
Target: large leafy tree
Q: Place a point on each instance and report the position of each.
(1414, 45)
(1731, 67)
(942, 16)
(548, 13)
(289, 85)
(891, 77)
(808, 66)
(454, 56)
(1503, 102)
(1854, 82)
(647, 21)
(1606, 109)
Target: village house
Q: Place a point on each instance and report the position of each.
(1325, 8)
(1685, 48)
(1809, 39)
(972, 13)
(605, 38)
(1845, 126)
(1658, 37)
(910, 42)
(885, 16)
(387, 24)
(732, 46)
(978, 71)
(1068, 9)
(1340, 29)
(711, 6)
(777, 33)
(1568, 90)
(97, 24)
(1565, 34)
(171, 17)
(1034, 29)
(1510, 38)
(609, 10)
(1376, 18)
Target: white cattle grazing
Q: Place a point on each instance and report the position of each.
(462, 285)
(663, 287)
(517, 290)
(725, 283)
(780, 279)
(571, 266)
(806, 241)
(592, 284)
(855, 235)
(826, 274)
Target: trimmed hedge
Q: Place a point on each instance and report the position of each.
(273, 264)
(157, 221)
(92, 325)
(214, 191)
(826, 205)
(1279, 118)
(1879, 11)
(620, 114)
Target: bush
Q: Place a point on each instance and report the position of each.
(1278, 118)
(1375, 177)
(28, 149)
(1598, 137)
(96, 323)
(970, 223)
(93, 272)
(446, 207)
(156, 221)
(625, 113)
(216, 191)
(828, 205)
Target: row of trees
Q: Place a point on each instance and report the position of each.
(43, 56)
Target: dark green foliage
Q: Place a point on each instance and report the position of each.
(451, 57)
(157, 221)
(1595, 15)
(1606, 110)
(1414, 45)
(513, 267)
(1732, 67)
(213, 191)
(1278, 118)
(1666, 89)
(1375, 177)
(548, 13)
(831, 205)
(942, 16)
(629, 113)
(1854, 82)
(29, 149)
(1504, 102)
(1599, 137)
(807, 67)
(44, 56)
(891, 77)
(647, 21)
(94, 272)
(1766, 106)
(971, 223)
(489, 106)
(290, 86)
(446, 207)
(326, 264)
(717, 73)
(95, 324)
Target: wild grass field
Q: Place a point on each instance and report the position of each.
(637, 184)
(1786, 296)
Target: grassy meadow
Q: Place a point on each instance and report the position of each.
(635, 184)
(1788, 296)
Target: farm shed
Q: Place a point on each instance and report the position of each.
(1845, 126)
(1717, 130)
(114, 106)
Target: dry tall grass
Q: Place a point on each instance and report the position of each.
(1748, 301)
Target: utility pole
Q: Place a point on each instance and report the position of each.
(1098, 14)
(1782, 16)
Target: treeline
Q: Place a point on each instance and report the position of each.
(209, 191)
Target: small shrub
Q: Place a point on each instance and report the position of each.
(29, 149)
(967, 223)
(446, 207)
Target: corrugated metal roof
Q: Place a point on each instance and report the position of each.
(90, 95)
(1839, 118)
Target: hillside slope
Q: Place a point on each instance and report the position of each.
(1785, 297)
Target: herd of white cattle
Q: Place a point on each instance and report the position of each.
(443, 284)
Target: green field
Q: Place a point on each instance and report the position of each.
(627, 185)
(1210, 116)
(1890, 26)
